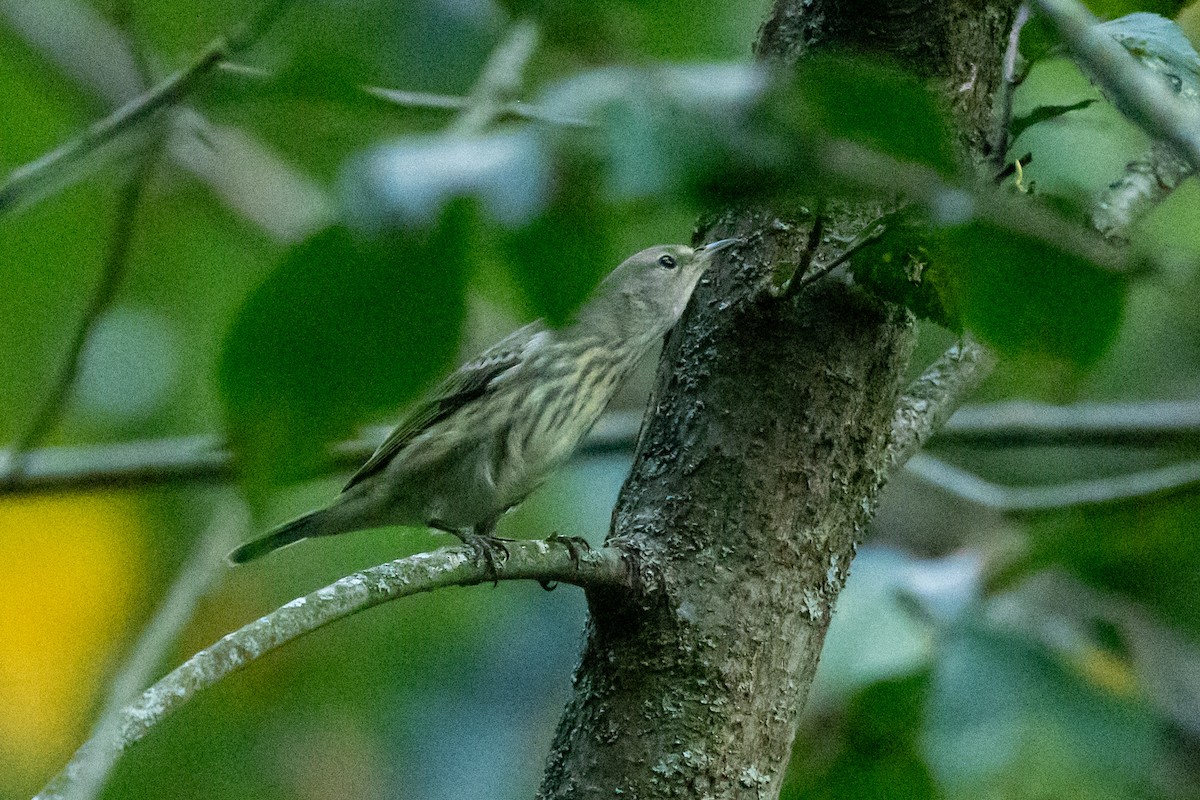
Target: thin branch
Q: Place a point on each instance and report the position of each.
(152, 462)
(116, 263)
(1020, 423)
(541, 560)
(932, 398)
(968, 486)
(141, 109)
(1008, 88)
(868, 234)
(501, 78)
(193, 581)
(921, 416)
(1140, 94)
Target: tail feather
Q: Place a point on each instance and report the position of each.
(288, 533)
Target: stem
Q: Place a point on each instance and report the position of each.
(968, 486)
(115, 266)
(501, 77)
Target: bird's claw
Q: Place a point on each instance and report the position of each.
(489, 550)
(574, 544)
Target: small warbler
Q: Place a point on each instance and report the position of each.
(494, 430)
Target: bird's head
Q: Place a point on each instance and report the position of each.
(649, 290)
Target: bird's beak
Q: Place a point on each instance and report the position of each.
(715, 247)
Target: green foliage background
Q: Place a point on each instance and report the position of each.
(299, 295)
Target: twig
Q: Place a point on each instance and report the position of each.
(539, 560)
(445, 102)
(115, 264)
(193, 581)
(501, 77)
(1008, 88)
(152, 462)
(1146, 182)
(967, 486)
(870, 168)
(931, 399)
(1019, 424)
(140, 109)
(1141, 94)
(815, 233)
(868, 234)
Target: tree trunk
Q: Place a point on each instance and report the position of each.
(757, 469)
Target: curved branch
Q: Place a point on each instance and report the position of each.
(541, 560)
(1160, 482)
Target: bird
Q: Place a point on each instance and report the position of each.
(497, 427)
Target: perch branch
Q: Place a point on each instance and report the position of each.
(540, 560)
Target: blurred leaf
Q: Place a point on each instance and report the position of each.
(664, 130)
(900, 267)
(1144, 550)
(346, 326)
(1005, 720)
(1160, 44)
(1168, 234)
(1024, 296)
(627, 29)
(560, 257)
(878, 105)
(878, 756)
(1113, 642)
(409, 181)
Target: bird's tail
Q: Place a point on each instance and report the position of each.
(288, 533)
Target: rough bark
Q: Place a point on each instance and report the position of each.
(757, 469)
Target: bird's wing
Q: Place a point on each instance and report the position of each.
(467, 384)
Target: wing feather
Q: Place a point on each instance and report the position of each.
(467, 384)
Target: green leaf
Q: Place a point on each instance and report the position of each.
(346, 327)
(878, 105)
(877, 751)
(901, 267)
(1024, 296)
(560, 257)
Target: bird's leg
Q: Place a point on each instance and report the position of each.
(487, 548)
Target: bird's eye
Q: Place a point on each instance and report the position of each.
(667, 262)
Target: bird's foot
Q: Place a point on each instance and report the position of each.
(489, 550)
